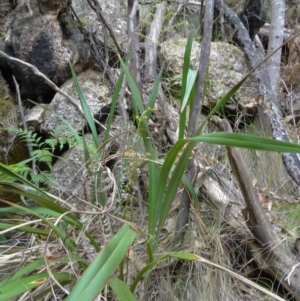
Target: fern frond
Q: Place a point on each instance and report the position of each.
(20, 168)
(43, 155)
(71, 141)
(61, 135)
(52, 142)
(26, 136)
(44, 178)
(60, 130)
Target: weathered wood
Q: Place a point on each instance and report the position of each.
(275, 41)
(151, 43)
(270, 106)
(264, 33)
(254, 215)
(267, 251)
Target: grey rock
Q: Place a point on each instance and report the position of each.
(227, 66)
(96, 92)
(49, 39)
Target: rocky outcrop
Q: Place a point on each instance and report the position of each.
(75, 178)
(115, 15)
(227, 66)
(48, 39)
(69, 174)
(97, 94)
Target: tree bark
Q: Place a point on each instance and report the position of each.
(151, 43)
(275, 40)
(134, 42)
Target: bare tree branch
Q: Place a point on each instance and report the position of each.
(134, 42)
(151, 43)
(270, 105)
(193, 123)
(275, 40)
(29, 146)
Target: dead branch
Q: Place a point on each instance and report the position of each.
(47, 81)
(270, 106)
(134, 42)
(270, 254)
(276, 39)
(264, 32)
(94, 4)
(29, 146)
(256, 219)
(151, 43)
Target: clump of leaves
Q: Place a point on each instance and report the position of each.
(164, 177)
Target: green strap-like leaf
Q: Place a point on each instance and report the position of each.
(86, 109)
(97, 274)
(114, 104)
(28, 229)
(121, 290)
(247, 141)
(20, 286)
(32, 266)
(191, 79)
(186, 68)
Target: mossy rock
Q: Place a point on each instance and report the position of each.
(12, 150)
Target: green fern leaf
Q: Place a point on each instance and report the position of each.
(43, 155)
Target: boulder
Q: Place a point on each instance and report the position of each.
(97, 94)
(227, 66)
(48, 39)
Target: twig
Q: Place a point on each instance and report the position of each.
(291, 272)
(104, 29)
(98, 57)
(29, 146)
(50, 83)
(175, 15)
(103, 20)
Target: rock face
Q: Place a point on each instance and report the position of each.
(96, 92)
(227, 66)
(12, 150)
(114, 12)
(69, 174)
(74, 179)
(49, 40)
